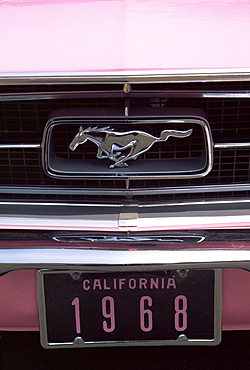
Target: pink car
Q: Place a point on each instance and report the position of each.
(125, 169)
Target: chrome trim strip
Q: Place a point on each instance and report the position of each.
(119, 93)
(231, 145)
(128, 192)
(54, 204)
(20, 146)
(127, 260)
(145, 217)
(115, 204)
(27, 96)
(138, 76)
(200, 203)
(231, 95)
(59, 95)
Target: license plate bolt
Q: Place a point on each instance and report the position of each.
(78, 341)
(183, 273)
(76, 276)
(182, 338)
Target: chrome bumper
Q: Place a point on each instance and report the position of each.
(127, 217)
(86, 259)
(51, 254)
(182, 239)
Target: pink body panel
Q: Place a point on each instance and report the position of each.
(18, 295)
(126, 35)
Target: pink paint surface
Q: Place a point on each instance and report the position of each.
(19, 310)
(18, 297)
(108, 35)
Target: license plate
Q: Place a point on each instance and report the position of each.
(84, 309)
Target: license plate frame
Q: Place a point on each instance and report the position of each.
(45, 319)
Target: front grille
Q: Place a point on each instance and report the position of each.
(23, 118)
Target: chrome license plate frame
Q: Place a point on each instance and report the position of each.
(104, 287)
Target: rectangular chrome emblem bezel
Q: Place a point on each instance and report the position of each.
(138, 169)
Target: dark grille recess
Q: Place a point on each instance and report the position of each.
(23, 121)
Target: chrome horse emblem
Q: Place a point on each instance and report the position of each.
(111, 143)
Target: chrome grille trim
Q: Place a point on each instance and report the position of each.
(120, 93)
(232, 95)
(204, 75)
(20, 146)
(130, 192)
(231, 145)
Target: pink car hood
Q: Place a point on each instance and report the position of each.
(126, 35)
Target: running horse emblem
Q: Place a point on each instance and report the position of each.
(112, 144)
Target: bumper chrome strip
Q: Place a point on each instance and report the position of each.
(114, 260)
(125, 217)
